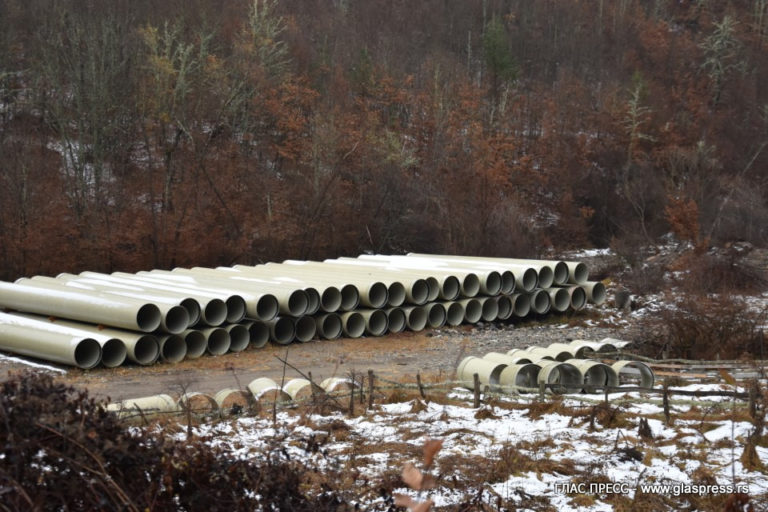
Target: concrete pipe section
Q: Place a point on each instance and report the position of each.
(282, 330)
(396, 320)
(197, 403)
(233, 401)
(376, 321)
(454, 313)
(595, 346)
(266, 391)
(473, 310)
(395, 294)
(560, 377)
(498, 357)
(578, 297)
(436, 315)
(196, 343)
(173, 348)
(579, 352)
(329, 326)
(306, 328)
(258, 333)
(487, 371)
(218, 340)
(504, 306)
(519, 378)
(337, 386)
(239, 337)
(521, 304)
(540, 301)
(556, 354)
(147, 406)
(596, 375)
(415, 318)
(313, 301)
(352, 324)
(634, 373)
(489, 308)
(560, 299)
(595, 291)
(299, 390)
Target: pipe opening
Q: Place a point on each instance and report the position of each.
(350, 297)
(436, 315)
(87, 353)
(561, 273)
(522, 305)
(490, 309)
(239, 337)
(507, 282)
(377, 295)
(396, 294)
(578, 298)
(173, 349)
(235, 309)
(331, 299)
(519, 377)
(353, 324)
(560, 299)
(470, 286)
(492, 283)
(148, 318)
(214, 313)
(598, 376)
(176, 320)
(113, 353)
(297, 303)
(488, 372)
(282, 330)
(377, 323)
(329, 326)
(193, 310)
(306, 328)
(565, 377)
(546, 277)
(540, 302)
(396, 320)
(504, 306)
(415, 318)
(451, 288)
(454, 313)
(433, 288)
(633, 373)
(579, 273)
(218, 341)
(267, 308)
(598, 293)
(146, 350)
(196, 343)
(529, 281)
(313, 301)
(473, 310)
(259, 334)
(419, 292)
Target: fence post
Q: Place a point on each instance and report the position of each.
(476, 378)
(370, 388)
(421, 388)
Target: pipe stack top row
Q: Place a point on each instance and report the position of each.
(93, 318)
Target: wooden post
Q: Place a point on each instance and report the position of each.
(421, 388)
(352, 394)
(370, 388)
(753, 400)
(476, 378)
(665, 404)
(542, 390)
(362, 389)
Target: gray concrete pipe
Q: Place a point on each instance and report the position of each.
(526, 276)
(239, 337)
(196, 343)
(559, 299)
(258, 332)
(173, 348)
(141, 348)
(579, 352)
(532, 358)
(282, 330)
(490, 308)
(298, 389)
(436, 314)
(353, 324)
(233, 401)
(306, 328)
(540, 301)
(565, 377)
(454, 313)
(595, 291)
(415, 285)
(198, 403)
(596, 375)
(174, 318)
(147, 406)
(507, 358)
(504, 306)
(258, 306)
(488, 372)
(217, 340)
(213, 310)
(87, 307)
(337, 385)
(578, 297)
(191, 304)
(634, 373)
(376, 321)
(557, 354)
(266, 390)
(329, 326)
(595, 346)
(64, 347)
(415, 317)
(519, 378)
(473, 310)
(313, 300)
(521, 304)
(395, 320)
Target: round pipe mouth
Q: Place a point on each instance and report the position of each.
(451, 288)
(306, 328)
(218, 341)
(331, 299)
(490, 309)
(560, 299)
(353, 324)
(149, 318)
(470, 285)
(521, 305)
(578, 298)
(561, 273)
(259, 334)
(396, 320)
(176, 320)
(491, 285)
(598, 376)
(598, 293)
(173, 348)
(434, 288)
(377, 323)
(313, 301)
(546, 277)
(145, 351)
(529, 281)
(507, 282)
(473, 310)
(87, 353)
(633, 373)
(196, 343)
(436, 315)
(214, 313)
(521, 377)
(282, 330)
(540, 302)
(579, 273)
(396, 294)
(504, 306)
(239, 337)
(418, 293)
(565, 377)
(329, 326)
(267, 307)
(454, 313)
(235, 309)
(113, 353)
(297, 303)
(415, 318)
(193, 310)
(377, 295)
(350, 297)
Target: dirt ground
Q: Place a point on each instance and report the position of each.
(433, 353)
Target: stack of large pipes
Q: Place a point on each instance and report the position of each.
(91, 318)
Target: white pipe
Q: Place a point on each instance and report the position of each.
(196, 343)
(298, 389)
(488, 372)
(218, 340)
(395, 320)
(329, 326)
(557, 354)
(567, 377)
(519, 378)
(234, 401)
(521, 304)
(540, 301)
(415, 317)
(560, 299)
(239, 337)
(490, 308)
(266, 391)
(258, 332)
(578, 297)
(146, 406)
(436, 315)
(595, 292)
(579, 352)
(198, 403)
(454, 313)
(634, 373)
(596, 375)
(306, 328)
(173, 348)
(282, 330)
(504, 306)
(473, 310)
(376, 321)
(353, 324)
(507, 359)
(313, 300)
